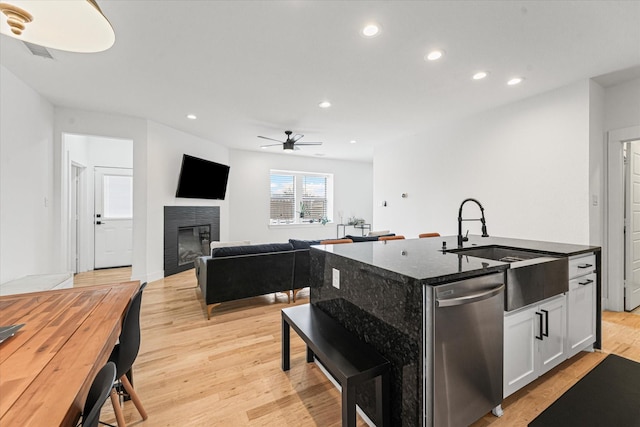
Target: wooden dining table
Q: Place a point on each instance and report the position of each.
(47, 367)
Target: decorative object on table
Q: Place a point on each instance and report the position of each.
(355, 221)
(9, 331)
(303, 210)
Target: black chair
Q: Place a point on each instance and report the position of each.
(125, 353)
(98, 393)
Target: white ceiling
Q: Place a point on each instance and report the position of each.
(249, 68)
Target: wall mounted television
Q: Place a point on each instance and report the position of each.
(202, 179)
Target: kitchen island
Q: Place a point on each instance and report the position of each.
(384, 293)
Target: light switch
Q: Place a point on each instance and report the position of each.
(336, 278)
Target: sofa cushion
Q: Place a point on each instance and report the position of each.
(215, 244)
(303, 244)
(251, 249)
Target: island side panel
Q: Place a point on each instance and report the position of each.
(385, 310)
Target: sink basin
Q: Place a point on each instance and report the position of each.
(498, 253)
(531, 277)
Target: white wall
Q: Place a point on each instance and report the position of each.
(166, 147)
(90, 152)
(249, 187)
(26, 181)
(527, 162)
(622, 105)
(597, 138)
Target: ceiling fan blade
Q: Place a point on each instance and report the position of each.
(271, 145)
(296, 137)
(270, 139)
(309, 143)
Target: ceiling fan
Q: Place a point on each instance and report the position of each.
(291, 143)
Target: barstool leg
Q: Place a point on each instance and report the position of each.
(117, 410)
(134, 396)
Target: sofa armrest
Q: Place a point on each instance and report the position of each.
(200, 264)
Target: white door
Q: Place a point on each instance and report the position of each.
(632, 241)
(113, 217)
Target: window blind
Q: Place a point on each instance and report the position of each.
(283, 198)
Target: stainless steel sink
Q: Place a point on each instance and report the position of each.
(498, 253)
(531, 277)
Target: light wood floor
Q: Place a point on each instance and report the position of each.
(226, 371)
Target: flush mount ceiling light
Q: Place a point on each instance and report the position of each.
(353, 141)
(324, 104)
(480, 75)
(371, 30)
(71, 25)
(191, 116)
(514, 81)
(434, 55)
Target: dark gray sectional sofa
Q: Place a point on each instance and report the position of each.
(237, 272)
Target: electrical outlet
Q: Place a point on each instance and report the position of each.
(336, 278)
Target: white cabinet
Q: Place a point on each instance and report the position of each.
(534, 342)
(581, 304)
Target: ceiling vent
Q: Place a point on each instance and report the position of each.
(38, 50)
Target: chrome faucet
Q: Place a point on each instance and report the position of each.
(462, 238)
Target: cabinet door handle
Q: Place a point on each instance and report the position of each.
(585, 265)
(586, 282)
(539, 337)
(546, 322)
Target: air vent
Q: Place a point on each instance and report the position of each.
(38, 50)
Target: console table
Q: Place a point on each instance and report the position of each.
(362, 227)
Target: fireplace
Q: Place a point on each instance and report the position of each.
(188, 231)
(192, 243)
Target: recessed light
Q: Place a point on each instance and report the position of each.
(514, 81)
(191, 116)
(480, 75)
(371, 30)
(324, 104)
(353, 141)
(434, 55)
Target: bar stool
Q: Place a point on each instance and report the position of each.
(383, 238)
(424, 235)
(335, 241)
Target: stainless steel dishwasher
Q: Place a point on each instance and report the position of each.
(464, 325)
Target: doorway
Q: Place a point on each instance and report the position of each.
(631, 153)
(93, 153)
(622, 221)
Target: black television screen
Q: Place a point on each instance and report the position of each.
(202, 179)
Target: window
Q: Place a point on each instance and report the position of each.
(117, 196)
(300, 197)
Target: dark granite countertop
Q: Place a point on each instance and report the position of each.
(424, 260)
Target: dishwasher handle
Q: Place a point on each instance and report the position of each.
(468, 299)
